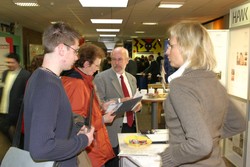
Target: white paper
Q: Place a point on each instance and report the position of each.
(162, 137)
(113, 107)
(137, 94)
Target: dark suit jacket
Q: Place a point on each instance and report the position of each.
(154, 70)
(131, 67)
(16, 94)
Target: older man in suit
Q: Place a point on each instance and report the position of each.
(109, 87)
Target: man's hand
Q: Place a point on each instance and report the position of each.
(125, 99)
(137, 107)
(108, 117)
(88, 132)
(106, 104)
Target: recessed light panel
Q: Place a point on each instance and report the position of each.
(107, 35)
(104, 3)
(149, 23)
(165, 4)
(106, 21)
(108, 30)
(26, 3)
(139, 32)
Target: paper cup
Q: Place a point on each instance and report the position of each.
(151, 90)
(144, 92)
(160, 91)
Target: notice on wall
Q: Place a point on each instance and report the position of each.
(238, 62)
(6, 46)
(220, 43)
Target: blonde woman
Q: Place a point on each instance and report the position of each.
(198, 110)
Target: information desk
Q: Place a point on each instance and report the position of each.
(140, 156)
(156, 107)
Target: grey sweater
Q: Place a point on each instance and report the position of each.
(198, 114)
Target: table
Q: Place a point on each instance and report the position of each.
(139, 156)
(157, 85)
(155, 109)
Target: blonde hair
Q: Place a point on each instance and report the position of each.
(195, 44)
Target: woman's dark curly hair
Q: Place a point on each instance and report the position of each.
(89, 52)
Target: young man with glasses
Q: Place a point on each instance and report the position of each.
(50, 134)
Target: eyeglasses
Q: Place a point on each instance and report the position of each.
(75, 50)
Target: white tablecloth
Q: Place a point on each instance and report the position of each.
(144, 156)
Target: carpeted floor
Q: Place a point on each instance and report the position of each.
(4, 146)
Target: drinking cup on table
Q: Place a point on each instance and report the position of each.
(151, 91)
(160, 91)
(144, 92)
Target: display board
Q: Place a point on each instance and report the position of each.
(237, 86)
(234, 146)
(237, 148)
(220, 43)
(237, 62)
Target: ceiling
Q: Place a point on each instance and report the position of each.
(137, 11)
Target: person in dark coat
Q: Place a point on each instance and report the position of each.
(153, 70)
(131, 67)
(14, 80)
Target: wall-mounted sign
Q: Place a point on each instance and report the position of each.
(240, 16)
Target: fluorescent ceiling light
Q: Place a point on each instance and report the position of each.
(109, 45)
(26, 3)
(104, 3)
(108, 30)
(107, 35)
(133, 36)
(139, 32)
(150, 23)
(54, 22)
(106, 21)
(170, 4)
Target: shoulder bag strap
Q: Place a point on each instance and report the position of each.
(89, 117)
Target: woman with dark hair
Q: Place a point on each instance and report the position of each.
(78, 85)
(36, 62)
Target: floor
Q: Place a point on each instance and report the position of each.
(144, 123)
(4, 145)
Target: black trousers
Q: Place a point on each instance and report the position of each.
(115, 161)
(4, 124)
